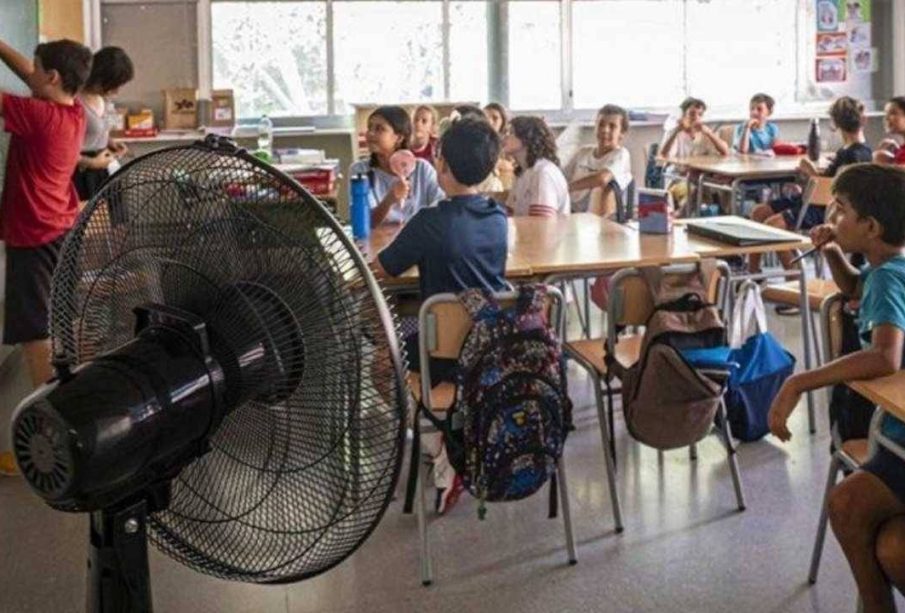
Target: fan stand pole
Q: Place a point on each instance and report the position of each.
(118, 576)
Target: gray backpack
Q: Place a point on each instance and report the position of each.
(668, 403)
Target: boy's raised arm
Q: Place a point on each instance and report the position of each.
(18, 63)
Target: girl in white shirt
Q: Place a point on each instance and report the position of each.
(540, 188)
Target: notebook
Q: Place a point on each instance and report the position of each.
(736, 233)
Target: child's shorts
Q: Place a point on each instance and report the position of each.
(790, 207)
(29, 271)
(890, 469)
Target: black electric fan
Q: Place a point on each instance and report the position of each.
(228, 382)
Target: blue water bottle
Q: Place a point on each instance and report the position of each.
(360, 208)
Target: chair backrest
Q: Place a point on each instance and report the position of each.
(443, 322)
(726, 133)
(831, 322)
(631, 303)
(818, 191)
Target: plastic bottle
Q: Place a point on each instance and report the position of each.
(359, 208)
(265, 135)
(814, 141)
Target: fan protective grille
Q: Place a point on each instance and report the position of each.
(299, 474)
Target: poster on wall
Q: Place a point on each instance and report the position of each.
(830, 69)
(827, 15)
(854, 11)
(859, 35)
(832, 43)
(864, 61)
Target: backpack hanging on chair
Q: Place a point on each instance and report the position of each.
(507, 427)
(669, 403)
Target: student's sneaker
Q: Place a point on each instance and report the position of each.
(447, 497)
(8, 465)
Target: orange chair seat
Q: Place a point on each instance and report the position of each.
(592, 352)
(788, 293)
(442, 396)
(856, 449)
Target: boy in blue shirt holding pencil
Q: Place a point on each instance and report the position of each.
(867, 509)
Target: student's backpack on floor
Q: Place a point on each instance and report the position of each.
(506, 430)
(668, 403)
(763, 366)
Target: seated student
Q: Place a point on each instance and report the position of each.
(847, 116)
(689, 137)
(492, 185)
(757, 134)
(540, 188)
(424, 139)
(394, 199)
(867, 509)
(461, 243)
(499, 118)
(111, 68)
(595, 167)
(891, 151)
(39, 204)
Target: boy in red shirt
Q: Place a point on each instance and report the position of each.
(39, 202)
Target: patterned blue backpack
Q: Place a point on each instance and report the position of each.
(506, 430)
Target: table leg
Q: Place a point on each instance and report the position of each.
(806, 336)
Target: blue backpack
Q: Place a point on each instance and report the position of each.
(506, 430)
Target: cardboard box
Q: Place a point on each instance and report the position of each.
(180, 108)
(223, 109)
(142, 120)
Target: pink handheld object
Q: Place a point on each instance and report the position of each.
(402, 163)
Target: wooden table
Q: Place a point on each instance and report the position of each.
(889, 395)
(737, 169)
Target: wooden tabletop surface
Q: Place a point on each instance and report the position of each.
(585, 243)
(741, 165)
(888, 392)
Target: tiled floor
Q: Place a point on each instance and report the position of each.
(685, 547)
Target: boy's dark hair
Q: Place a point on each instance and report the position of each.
(111, 69)
(878, 191)
(898, 101)
(471, 148)
(537, 138)
(613, 109)
(765, 98)
(847, 113)
(692, 102)
(399, 121)
(469, 110)
(499, 108)
(70, 59)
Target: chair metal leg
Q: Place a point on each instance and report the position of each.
(733, 460)
(608, 459)
(587, 306)
(660, 456)
(806, 337)
(427, 573)
(566, 510)
(693, 452)
(835, 465)
(610, 417)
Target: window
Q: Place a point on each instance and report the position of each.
(273, 55)
(468, 66)
(535, 76)
(627, 52)
(387, 51)
(735, 49)
(317, 57)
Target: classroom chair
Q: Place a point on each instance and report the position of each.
(443, 324)
(852, 453)
(631, 304)
(819, 292)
